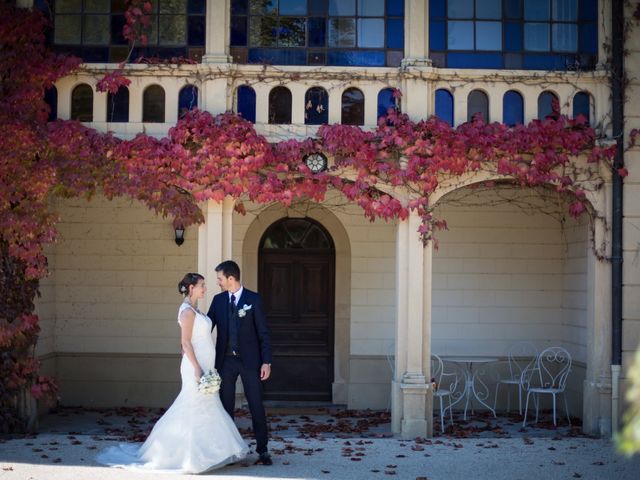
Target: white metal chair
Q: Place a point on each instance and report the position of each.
(444, 384)
(548, 375)
(519, 356)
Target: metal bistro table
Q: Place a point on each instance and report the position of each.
(473, 384)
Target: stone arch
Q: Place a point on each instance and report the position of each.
(333, 225)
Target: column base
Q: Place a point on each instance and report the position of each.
(217, 58)
(416, 62)
(414, 394)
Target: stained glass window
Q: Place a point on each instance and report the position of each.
(153, 104)
(316, 106)
(187, 99)
(444, 105)
(386, 101)
(352, 107)
(280, 105)
(478, 103)
(118, 105)
(547, 102)
(82, 103)
(93, 29)
(318, 32)
(514, 34)
(512, 108)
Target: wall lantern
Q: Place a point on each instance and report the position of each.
(179, 235)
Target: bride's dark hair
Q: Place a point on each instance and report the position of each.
(189, 279)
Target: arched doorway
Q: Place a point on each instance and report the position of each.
(296, 278)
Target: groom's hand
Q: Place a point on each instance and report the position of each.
(265, 371)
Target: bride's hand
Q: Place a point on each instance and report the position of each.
(198, 373)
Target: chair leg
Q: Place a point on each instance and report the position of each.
(554, 409)
(441, 416)
(450, 410)
(526, 409)
(537, 400)
(519, 399)
(495, 400)
(566, 408)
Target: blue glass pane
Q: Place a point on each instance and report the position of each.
(196, 30)
(342, 7)
(588, 10)
(565, 37)
(474, 60)
(342, 32)
(238, 31)
(51, 99)
(370, 32)
(436, 9)
(239, 7)
(488, 36)
(513, 37)
(118, 106)
(292, 32)
(371, 8)
(536, 37)
(316, 106)
(444, 106)
(460, 8)
(460, 35)
(386, 101)
(117, 24)
(512, 108)
(395, 33)
(588, 38)
(317, 7)
(513, 8)
(513, 61)
(436, 35)
(293, 7)
(536, 10)
(489, 9)
(543, 62)
(582, 105)
(317, 32)
(356, 58)
(187, 99)
(247, 103)
(273, 56)
(198, 6)
(565, 10)
(395, 8)
(545, 104)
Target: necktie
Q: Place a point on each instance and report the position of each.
(233, 324)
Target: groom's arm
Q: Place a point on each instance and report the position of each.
(264, 337)
(212, 314)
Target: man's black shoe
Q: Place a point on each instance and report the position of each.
(264, 458)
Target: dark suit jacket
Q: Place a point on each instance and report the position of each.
(254, 340)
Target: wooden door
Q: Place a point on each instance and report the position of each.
(296, 281)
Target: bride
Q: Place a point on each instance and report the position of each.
(195, 434)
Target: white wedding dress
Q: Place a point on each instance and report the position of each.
(195, 434)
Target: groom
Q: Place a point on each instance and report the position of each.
(243, 347)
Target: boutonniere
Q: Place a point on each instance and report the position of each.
(243, 311)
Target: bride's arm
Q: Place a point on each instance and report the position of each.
(187, 317)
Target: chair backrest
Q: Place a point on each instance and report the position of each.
(520, 356)
(552, 368)
(437, 368)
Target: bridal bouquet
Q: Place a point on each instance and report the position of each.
(209, 382)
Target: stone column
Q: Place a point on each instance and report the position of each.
(214, 243)
(409, 387)
(416, 33)
(596, 413)
(217, 34)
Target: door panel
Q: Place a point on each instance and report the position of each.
(298, 291)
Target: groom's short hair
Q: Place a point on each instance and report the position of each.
(229, 268)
